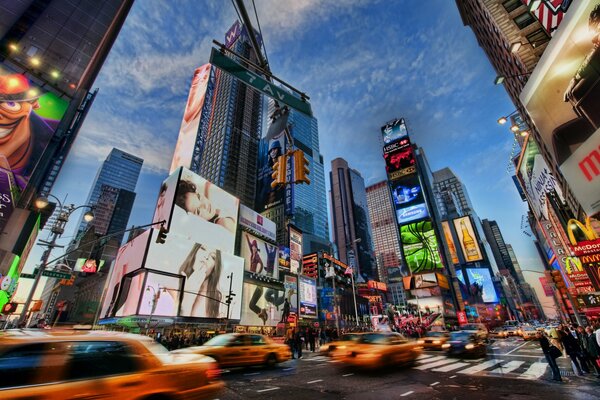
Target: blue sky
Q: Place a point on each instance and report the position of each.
(361, 62)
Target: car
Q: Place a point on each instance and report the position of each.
(242, 350)
(528, 333)
(500, 332)
(478, 329)
(512, 331)
(378, 350)
(100, 364)
(329, 348)
(465, 344)
(435, 340)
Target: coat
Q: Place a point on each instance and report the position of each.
(592, 348)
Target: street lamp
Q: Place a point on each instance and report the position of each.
(57, 229)
(503, 120)
(501, 78)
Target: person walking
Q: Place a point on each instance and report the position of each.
(290, 341)
(299, 341)
(311, 339)
(572, 349)
(592, 349)
(551, 353)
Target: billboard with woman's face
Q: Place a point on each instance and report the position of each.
(259, 256)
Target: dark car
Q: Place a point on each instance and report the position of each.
(466, 344)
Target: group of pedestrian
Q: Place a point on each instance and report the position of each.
(173, 341)
(580, 344)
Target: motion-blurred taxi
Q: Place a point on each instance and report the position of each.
(378, 350)
(528, 333)
(242, 350)
(329, 348)
(99, 364)
(435, 340)
(465, 344)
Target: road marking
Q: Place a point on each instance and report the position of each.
(315, 381)
(480, 367)
(517, 348)
(252, 373)
(535, 371)
(266, 390)
(288, 369)
(505, 369)
(518, 355)
(435, 364)
(434, 383)
(347, 374)
(495, 348)
(424, 356)
(451, 367)
(407, 393)
(453, 376)
(432, 359)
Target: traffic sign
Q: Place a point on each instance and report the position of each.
(54, 274)
(230, 66)
(27, 276)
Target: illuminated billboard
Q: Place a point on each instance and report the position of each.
(467, 239)
(399, 159)
(290, 283)
(450, 241)
(562, 98)
(394, 130)
(29, 118)
(188, 132)
(310, 265)
(257, 223)
(394, 274)
(259, 256)
(166, 199)
(263, 306)
(420, 281)
(308, 297)
(149, 292)
(479, 288)
(295, 250)
(88, 265)
(270, 149)
(409, 200)
(420, 247)
(284, 257)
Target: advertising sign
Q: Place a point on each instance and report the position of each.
(394, 274)
(290, 283)
(408, 199)
(377, 285)
(399, 159)
(263, 306)
(8, 193)
(394, 130)
(88, 265)
(270, 149)
(420, 247)
(259, 256)
(188, 132)
(561, 96)
(295, 250)
(166, 199)
(450, 242)
(462, 318)
(257, 223)
(479, 288)
(310, 264)
(284, 257)
(581, 281)
(204, 213)
(308, 297)
(591, 265)
(467, 239)
(547, 286)
(420, 281)
(160, 294)
(590, 300)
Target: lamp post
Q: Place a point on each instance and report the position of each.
(57, 229)
(348, 245)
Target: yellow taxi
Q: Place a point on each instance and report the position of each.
(435, 340)
(378, 350)
(99, 364)
(329, 348)
(242, 350)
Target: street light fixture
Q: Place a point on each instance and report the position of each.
(501, 78)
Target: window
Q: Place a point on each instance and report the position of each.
(511, 5)
(524, 20)
(31, 364)
(538, 37)
(257, 340)
(96, 359)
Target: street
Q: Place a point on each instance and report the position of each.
(513, 369)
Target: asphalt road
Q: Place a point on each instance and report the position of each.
(513, 369)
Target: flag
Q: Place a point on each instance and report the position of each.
(348, 271)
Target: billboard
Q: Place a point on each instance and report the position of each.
(420, 247)
(308, 297)
(284, 257)
(420, 281)
(88, 265)
(399, 159)
(409, 200)
(186, 141)
(547, 286)
(257, 223)
(562, 98)
(394, 274)
(204, 213)
(150, 292)
(166, 199)
(478, 286)
(450, 242)
(290, 283)
(270, 149)
(262, 306)
(310, 265)
(259, 256)
(295, 250)
(467, 239)
(394, 130)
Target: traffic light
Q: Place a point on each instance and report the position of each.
(162, 235)
(301, 170)
(279, 171)
(558, 279)
(9, 308)
(229, 298)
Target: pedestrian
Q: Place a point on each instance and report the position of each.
(592, 349)
(551, 353)
(290, 341)
(311, 339)
(299, 341)
(573, 350)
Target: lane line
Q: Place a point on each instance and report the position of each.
(453, 376)
(407, 393)
(434, 383)
(505, 369)
(517, 348)
(347, 374)
(480, 367)
(435, 364)
(252, 373)
(451, 367)
(266, 390)
(424, 356)
(315, 381)
(535, 371)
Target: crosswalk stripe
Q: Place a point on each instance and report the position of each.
(505, 369)
(424, 356)
(536, 370)
(451, 367)
(435, 364)
(480, 367)
(432, 359)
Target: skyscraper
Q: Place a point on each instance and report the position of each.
(451, 194)
(499, 247)
(112, 211)
(350, 215)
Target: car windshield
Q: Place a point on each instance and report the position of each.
(471, 327)
(436, 334)
(373, 338)
(460, 335)
(221, 340)
(350, 337)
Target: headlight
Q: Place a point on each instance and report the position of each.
(341, 347)
(445, 345)
(469, 346)
(420, 341)
(437, 342)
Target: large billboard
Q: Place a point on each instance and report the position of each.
(263, 306)
(562, 96)
(399, 159)
(166, 199)
(188, 132)
(308, 297)
(259, 256)
(257, 223)
(394, 130)
(295, 250)
(478, 287)
(467, 239)
(450, 242)
(420, 247)
(270, 149)
(409, 201)
(290, 283)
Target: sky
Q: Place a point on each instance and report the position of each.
(361, 62)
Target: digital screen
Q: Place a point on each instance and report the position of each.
(270, 150)
(308, 297)
(409, 200)
(393, 131)
(257, 223)
(290, 283)
(295, 250)
(467, 239)
(262, 306)
(420, 247)
(259, 256)
(284, 257)
(394, 274)
(450, 242)
(166, 200)
(399, 159)
(479, 288)
(88, 265)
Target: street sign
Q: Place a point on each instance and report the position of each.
(230, 66)
(27, 276)
(53, 274)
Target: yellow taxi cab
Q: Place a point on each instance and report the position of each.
(99, 364)
(380, 349)
(435, 340)
(329, 348)
(242, 350)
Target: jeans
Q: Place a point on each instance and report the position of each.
(576, 364)
(553, 367)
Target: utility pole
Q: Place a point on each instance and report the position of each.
(229, 299)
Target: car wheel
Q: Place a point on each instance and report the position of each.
(271, 360)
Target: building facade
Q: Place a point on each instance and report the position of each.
(499, 248)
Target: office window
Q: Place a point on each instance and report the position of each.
(524, 20)
(538, 37)
(511, 5)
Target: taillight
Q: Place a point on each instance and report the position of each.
(213, 373)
